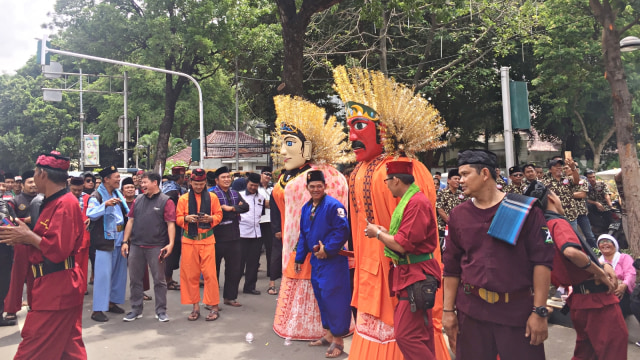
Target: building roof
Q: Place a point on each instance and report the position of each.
(222, 144)
(182, 155)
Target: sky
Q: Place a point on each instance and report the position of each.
(20, 24)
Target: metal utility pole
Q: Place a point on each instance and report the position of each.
(44, 49)
(506, 113)
(125, 139)
(237, 129)
(81, 163)
(137, 139)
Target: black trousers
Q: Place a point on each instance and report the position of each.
(250, 261)
(276, 259)
(6, 260)
(231, 252)
(92, 258)
(173, 260)
(265, 230)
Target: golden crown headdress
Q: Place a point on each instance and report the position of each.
(297, 116)
(410, 123)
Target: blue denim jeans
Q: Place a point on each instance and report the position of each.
(583, 222)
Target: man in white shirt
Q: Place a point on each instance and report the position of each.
(250, 234)
(265, 189)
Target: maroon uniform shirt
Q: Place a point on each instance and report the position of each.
(61, 228)
(566, 273)
(417, 234)
(483, 261)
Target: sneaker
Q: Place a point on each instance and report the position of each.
(638, 343)
(99, 316)
(113, 308)
(162, 317)
(132, 316)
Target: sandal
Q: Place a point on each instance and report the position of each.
(320, 342)
(330, 351)
(11, 316)
(233, 303)
(272, 291)
(173, 285)
(147, 297)
(213, 315)
(195, 315)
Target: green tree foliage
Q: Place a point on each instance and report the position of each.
(195, 37)
(572, 92)
(449, 51)
(29, 125)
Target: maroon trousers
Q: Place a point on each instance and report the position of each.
(414, 338)
(601, 333)
(481, 340)
(55, 335)
(19, 273)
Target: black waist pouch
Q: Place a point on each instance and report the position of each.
(422, 294)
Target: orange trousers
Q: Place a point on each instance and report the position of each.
(198, 259)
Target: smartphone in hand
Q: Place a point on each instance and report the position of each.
(162, 255)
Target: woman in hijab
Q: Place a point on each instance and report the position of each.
(623, 266)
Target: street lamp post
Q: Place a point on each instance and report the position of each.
(630, 43)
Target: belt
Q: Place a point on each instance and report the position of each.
(119, 228)
(493, 297)
(200, 236)
(47, 267)
(590, 287)
(412, 259)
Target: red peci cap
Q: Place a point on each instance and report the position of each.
(178, 170)
(53, 161)
(198, 175)
(400, 167)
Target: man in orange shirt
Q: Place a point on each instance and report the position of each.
(198, 212)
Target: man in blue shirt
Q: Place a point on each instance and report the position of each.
(107, 209)
(324, 229)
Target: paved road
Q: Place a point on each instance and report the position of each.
(147, 338)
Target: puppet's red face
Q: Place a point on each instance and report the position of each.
(364, 142)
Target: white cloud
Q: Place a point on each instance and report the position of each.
(20, 23)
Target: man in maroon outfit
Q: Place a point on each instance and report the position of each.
(498, 290)
(601, 331)
(410, 243)
(53, 327)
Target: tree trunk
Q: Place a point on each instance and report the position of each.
(171, 94)
(293, 65)
(622, 114)
(596, 149)
(294, 25)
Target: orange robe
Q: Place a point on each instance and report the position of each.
(198, 256)
(374, 336)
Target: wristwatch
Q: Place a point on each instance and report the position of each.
(541, 311)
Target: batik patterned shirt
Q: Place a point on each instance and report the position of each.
(564, 188)
(446, 201)
(598, 192)
(515, 189)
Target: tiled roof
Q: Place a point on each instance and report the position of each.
(222, 144)
(182, 155)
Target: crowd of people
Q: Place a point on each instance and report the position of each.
(378, 250)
